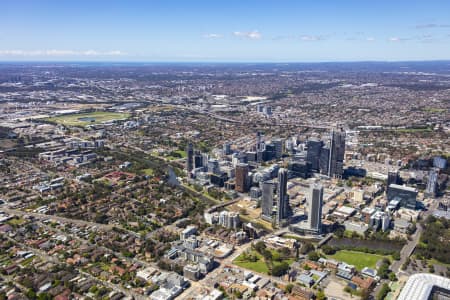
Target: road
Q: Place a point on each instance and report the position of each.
(407, 251)
(56, 218)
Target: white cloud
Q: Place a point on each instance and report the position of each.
(252, 35)
(312, 38)
(370, 39)
(432, 25)
(55, 52)
(212, 36)
(397, 39)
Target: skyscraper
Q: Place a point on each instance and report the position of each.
(313, 153)
(189, 157)
(278, 143)
(337, 152)
(393, 178)
(267, 200)
(227, 148)
(283, 208)
(324, 160)
(432, 182)
(241, 178)
(198, 160)
(315, 200)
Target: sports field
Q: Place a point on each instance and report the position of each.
(85, 119)
(358, 259)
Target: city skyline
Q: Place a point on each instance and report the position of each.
(252, 31)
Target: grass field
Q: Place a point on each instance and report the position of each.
(149, 172)
(257, 266)
(358, 259)
(85, 119)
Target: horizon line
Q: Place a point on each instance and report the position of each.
(222, 61)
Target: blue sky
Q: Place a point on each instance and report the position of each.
(244, 30)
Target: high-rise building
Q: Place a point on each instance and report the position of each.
(283, 209)
(260, 145)
(299, 168)
(432, 183)
(289, 145)
(278, 143)
(198, 160)
(260, 108)
(227, 148)
(393, 178)
(267, 200)
(324, 160)
(439, 162)
(213, 166)
(380, 220)
(407, 196)
(189, 157)
(267, 110)
(337, 153)
(315, 200)
(241, 174)
(313, 153)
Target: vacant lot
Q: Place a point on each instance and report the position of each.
(91, 118)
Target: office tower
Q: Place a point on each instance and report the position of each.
(278, 144)
(439, 162)
(267, 110)
(269, 153)
(380, 220)
(393, 178)
(283, 208)
(205, 159)
(324, 160)
(198, 160)
(267, 200)
(260, 108)
(432, 182)
(315, 200)
(337, 152)
(260, 145)
(189, 157)
(226, 148)
(300, 168)
(289, 145)
(313, 153)
(407, 196)
(241, 178)
(213, 166)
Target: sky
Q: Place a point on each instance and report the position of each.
(224, 31)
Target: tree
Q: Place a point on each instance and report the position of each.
(267, 254)
(385, 289)
(288, 288)
(365, 294)
(280, 269)
(259, 246)
(320, 295)
(306, 248)
(30, 294)
(392, 276)
(276, 256)
(396, 255)
(383, 271)
(313, 255)
(328, 250)
(339, 233)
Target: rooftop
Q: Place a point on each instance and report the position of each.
(420, 286)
